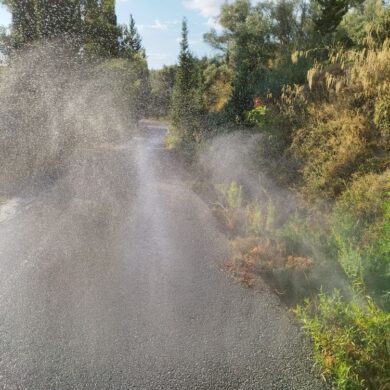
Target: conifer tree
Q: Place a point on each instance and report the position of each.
(101, 33)
(186, 107)
(182, 87)
(131, 42)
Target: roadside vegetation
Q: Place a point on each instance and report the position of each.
(309, 85)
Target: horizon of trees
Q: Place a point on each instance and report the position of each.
(87, 24)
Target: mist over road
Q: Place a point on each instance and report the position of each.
(109, 280)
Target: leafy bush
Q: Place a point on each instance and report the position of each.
(232, 195)
(253, 219)
(293, 106)
(332, 146)
(172, 139)
(360, 221)
(307, 235)
(257, 116)
(351, 341)
(379, 252)
(382, 114)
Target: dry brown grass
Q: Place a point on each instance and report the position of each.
(260, 256)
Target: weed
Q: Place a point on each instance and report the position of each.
(253, 219)
(172, 139)
(232, 195)
(351, 340)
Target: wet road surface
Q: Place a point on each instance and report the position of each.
(109, 280)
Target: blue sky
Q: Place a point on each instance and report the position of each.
(159, 22)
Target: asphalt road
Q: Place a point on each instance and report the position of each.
(109, 279)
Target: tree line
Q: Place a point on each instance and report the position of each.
(87, 24)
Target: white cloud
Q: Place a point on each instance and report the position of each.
(208, 8)
(157, 25)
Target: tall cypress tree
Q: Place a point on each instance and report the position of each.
(186, 63)
(101, 33)
(186, 104)
(131, 42)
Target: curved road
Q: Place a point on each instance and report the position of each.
(109, 280)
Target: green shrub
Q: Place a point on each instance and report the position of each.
(293, 106)
(232, 195)
(257, 116)
(379, 252)
(382, 115)
(332, 146)
(351, 341)
(253, 219)
(307, 235)
(271, 214)
(360, 221)
(172, 139)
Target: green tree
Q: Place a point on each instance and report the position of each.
(330, 15)
(24, 29)
(90, 23)
(186, 108)
(100, 33)
(43, 19)
(249, 50)
(162, 84)
(131, 41)
(57, 18)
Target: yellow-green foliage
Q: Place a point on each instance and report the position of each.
(332, 146)
(368, 25)
(382, 114)
(253, 219)
(352, 341)
(232, 195)
(271, 213)
(347, 131)
(293, 105)
(218, 87)
(172, 139)
(364, 203)
(257, 116)
(359, 221)
(257, 217)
